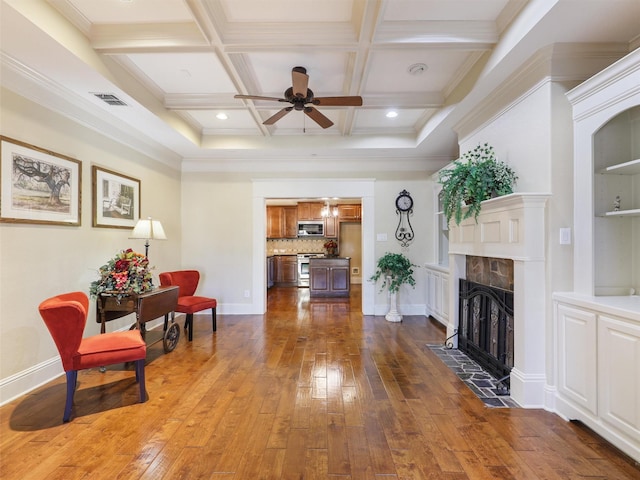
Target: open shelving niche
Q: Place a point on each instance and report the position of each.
(628, 169)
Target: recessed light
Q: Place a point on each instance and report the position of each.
(221, 116)
(392, 114)
(417, 68)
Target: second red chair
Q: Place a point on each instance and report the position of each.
(188, 303)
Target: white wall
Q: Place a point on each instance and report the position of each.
(38, 261)
(224, 235)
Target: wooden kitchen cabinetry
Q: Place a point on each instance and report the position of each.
(331, 227)
(329, 277)
(271, 272)
(286, 270)
(310, 210)
(282, 222)
(349, 213)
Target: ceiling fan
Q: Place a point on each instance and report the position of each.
(301, 98)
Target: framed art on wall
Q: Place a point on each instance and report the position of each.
(116, 199)
(38, 186)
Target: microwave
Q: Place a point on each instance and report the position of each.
(310, 229)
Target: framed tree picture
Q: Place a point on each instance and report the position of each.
(38, 186)
(116, 199)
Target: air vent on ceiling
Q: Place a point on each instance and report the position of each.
(110, 98)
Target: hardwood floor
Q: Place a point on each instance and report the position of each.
(311, 390)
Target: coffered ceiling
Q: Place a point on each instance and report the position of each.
(176, 65)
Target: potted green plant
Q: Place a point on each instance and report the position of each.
(476, 176)
(395, 270)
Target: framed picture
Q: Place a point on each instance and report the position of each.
(37, 185)
(116, 199)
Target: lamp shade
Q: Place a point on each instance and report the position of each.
(149, 229)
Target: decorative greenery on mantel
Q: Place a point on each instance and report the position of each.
(476, 176)
(395, 270)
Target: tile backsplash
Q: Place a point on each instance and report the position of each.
(295, 245)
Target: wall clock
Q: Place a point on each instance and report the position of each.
(404, 209)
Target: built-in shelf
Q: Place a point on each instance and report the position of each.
(626, 168)
(623, 213)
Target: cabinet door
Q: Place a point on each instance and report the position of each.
(444, 303)
(339, 279)
(287, 271)
(290, 222)
(619, 374)
(331, 227)
(319, 279)
(271, 277)
(577, 356)
(310, 211)
(275, 222)
(349, 213)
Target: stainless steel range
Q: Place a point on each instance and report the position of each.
(303, 267)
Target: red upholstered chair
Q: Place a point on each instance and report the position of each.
(189, 303)
(66, 316)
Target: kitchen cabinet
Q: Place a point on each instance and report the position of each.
(286, 270)
(282, 222)
(331, 227)
(598, 367)
(329, 277)
(274, 222)
(349, 213)
(271, 272)
(310, 210)
(290, 222)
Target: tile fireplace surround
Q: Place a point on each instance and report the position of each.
(511, 227)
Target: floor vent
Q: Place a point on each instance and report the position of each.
(110, 98)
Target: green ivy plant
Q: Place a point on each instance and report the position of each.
(476, 176)
(395, 270)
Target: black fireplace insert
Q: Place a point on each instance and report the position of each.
(485, 327)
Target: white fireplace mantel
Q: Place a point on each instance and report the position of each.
(513, 227)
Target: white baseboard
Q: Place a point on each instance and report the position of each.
(33, 377)
(23, 382)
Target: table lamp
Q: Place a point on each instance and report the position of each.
(148, 229)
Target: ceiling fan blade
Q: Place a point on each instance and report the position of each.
(258, 97)
(300, 81)
(274, 118)
(338, 101)
(318, 117)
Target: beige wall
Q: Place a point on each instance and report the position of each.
(38, 261)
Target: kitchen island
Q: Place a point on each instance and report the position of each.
(329, 277)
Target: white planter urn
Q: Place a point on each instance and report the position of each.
(393, 315)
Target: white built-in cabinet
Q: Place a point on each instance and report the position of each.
(437, 274)
(598, 358)
(597, 325)
(437, 292)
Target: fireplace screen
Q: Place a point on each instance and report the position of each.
(485, 329)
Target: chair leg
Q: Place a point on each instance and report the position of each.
(141, 380)
(189, 323)
(213, 318)
(72, 380)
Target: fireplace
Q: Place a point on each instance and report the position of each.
(485, 329)
(511, 228)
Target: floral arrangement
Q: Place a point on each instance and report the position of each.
(126, 273)
(330, 244)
